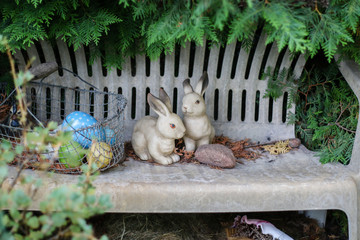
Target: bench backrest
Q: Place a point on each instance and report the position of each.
(234, 97)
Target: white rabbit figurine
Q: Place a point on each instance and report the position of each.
(154, 138)
(199, 130)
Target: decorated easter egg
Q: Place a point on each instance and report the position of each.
(110, 136)
(71, 154)
(100, 153)
(85, 128)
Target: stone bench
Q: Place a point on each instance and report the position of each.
(235, 104)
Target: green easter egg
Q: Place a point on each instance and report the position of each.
(71, 154)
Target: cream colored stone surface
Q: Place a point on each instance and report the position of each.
(291, 181)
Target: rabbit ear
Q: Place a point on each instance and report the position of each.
(165, 98)
(202, 84)
(187, 87)
(157, 105)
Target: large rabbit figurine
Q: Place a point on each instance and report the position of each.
(154, 138)
(199, 130)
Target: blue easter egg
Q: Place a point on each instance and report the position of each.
(110, 136)
(84, 127)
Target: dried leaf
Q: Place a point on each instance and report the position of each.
(278, 148)
(237, 148)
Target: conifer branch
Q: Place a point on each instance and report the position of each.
(152, 27)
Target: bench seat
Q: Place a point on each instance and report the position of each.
(290, 181)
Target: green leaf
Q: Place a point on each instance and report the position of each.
(52, 125)
(328, 33)
(7, 156)
(59, 219)
(20, 198)
(33, 222)
(19, 149)
(286, 27)
(3, 172)
(5, 219)
(15, 214)
(35, 2)
(104, 237)
(36, 235)
(245, 23)
(350, 13)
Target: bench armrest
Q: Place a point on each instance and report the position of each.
(351, 72)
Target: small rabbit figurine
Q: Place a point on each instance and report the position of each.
(154, 138)
(199, 130)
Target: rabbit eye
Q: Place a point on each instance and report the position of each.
(172, 125)
(197, 101)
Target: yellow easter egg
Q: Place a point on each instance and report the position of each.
(100, 154)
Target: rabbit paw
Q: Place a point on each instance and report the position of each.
(165, 160)
(144, 156)
(168, 160)
(175, 157)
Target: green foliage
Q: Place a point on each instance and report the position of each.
(64, 211)
(114, 29)
(277, 83)
(286, 27)
(245, 23)
(331, 117)
(328, 33)
(342, 220)
(326, 110)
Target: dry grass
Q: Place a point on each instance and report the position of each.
(159, 226)
(118, 226)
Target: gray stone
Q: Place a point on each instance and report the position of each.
(294, 142)
(215, 155)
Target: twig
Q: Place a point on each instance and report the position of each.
(317, 9)
(12, 64)
(267, 143)
(2, 182)
(344, 128)
(16, 177)
(308, 90)
(124, 229)
(342, 110)
(21, 101)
